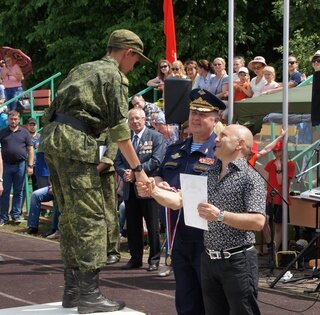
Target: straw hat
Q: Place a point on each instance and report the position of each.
(257, 59)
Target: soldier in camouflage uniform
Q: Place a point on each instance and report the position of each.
(92, 99)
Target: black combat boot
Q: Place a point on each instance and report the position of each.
(91, 299)
(71, 292)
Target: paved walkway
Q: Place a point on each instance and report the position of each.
(32, 273)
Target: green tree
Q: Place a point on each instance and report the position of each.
(58, 35)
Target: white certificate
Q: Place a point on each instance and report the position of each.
(102, 151)
(194, 191)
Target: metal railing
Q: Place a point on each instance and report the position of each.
(29, 92)
(49, 80)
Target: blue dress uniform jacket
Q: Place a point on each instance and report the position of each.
(179, 160)
(151, 152)
(188, 243)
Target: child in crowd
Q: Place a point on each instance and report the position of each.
(270, 75)
(241, 87)
(274, 196)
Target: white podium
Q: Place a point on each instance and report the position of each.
(57, 309)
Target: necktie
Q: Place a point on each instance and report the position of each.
(135, 142)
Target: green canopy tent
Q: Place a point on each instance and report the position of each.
(250, 112)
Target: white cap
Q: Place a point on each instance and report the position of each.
(243, 69)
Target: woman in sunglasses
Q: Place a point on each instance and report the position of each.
(164, 70)
(177, 69)
(258, 82)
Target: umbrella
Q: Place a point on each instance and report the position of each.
(21, 58)
(250, 112)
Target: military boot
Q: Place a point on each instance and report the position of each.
(71, 292)
(91, 298)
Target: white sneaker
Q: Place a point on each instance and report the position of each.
(54, 236)
(164, 271)
(123, 240)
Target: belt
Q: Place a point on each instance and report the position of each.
(73, 122)
(14, 163)
(227, 253)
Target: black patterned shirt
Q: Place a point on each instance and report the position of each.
(241, 190)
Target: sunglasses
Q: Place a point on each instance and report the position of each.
(164, 66)
(175, 69)
(292, 62)
(257, 67)
(316, 61)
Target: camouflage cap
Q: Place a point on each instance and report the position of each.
(204, 101)
(127, 39)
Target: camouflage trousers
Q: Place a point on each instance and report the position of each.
(84, 198)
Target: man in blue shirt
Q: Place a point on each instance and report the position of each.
(17, 158)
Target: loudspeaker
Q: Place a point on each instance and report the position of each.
(315, 100)
(176, 100)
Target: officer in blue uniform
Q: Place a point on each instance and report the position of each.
(193, 155)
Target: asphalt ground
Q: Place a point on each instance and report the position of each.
(32, 273)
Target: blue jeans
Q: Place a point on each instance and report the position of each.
(55, 218)
(38, 196)
(11, 93)
(13, 176)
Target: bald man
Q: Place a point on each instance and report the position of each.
(235, 209)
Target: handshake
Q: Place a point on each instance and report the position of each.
(161, 192)
(146, 188)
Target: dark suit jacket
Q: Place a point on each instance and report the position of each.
(150, 153)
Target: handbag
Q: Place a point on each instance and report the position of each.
(22, 105)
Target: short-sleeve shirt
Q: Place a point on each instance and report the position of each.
(203, 83)
(14, 145)
(257, 88)
(241, 190)
(296, 77)
(216, 84)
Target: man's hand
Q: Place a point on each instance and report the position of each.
(208, 211)
(164, 185)
(128, 176)
(145, 189)
(29, 171)
(101, 167)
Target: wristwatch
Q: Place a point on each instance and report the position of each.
(138, 168)
(220, 217)
(1, 179)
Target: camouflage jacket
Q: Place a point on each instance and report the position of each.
(95, 93)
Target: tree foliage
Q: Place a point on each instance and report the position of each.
(58, 35)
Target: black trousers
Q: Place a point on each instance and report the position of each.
(136, 210)
(229, 286)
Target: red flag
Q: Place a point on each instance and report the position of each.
(169, 31)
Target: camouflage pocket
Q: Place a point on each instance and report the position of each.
(85, 181)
